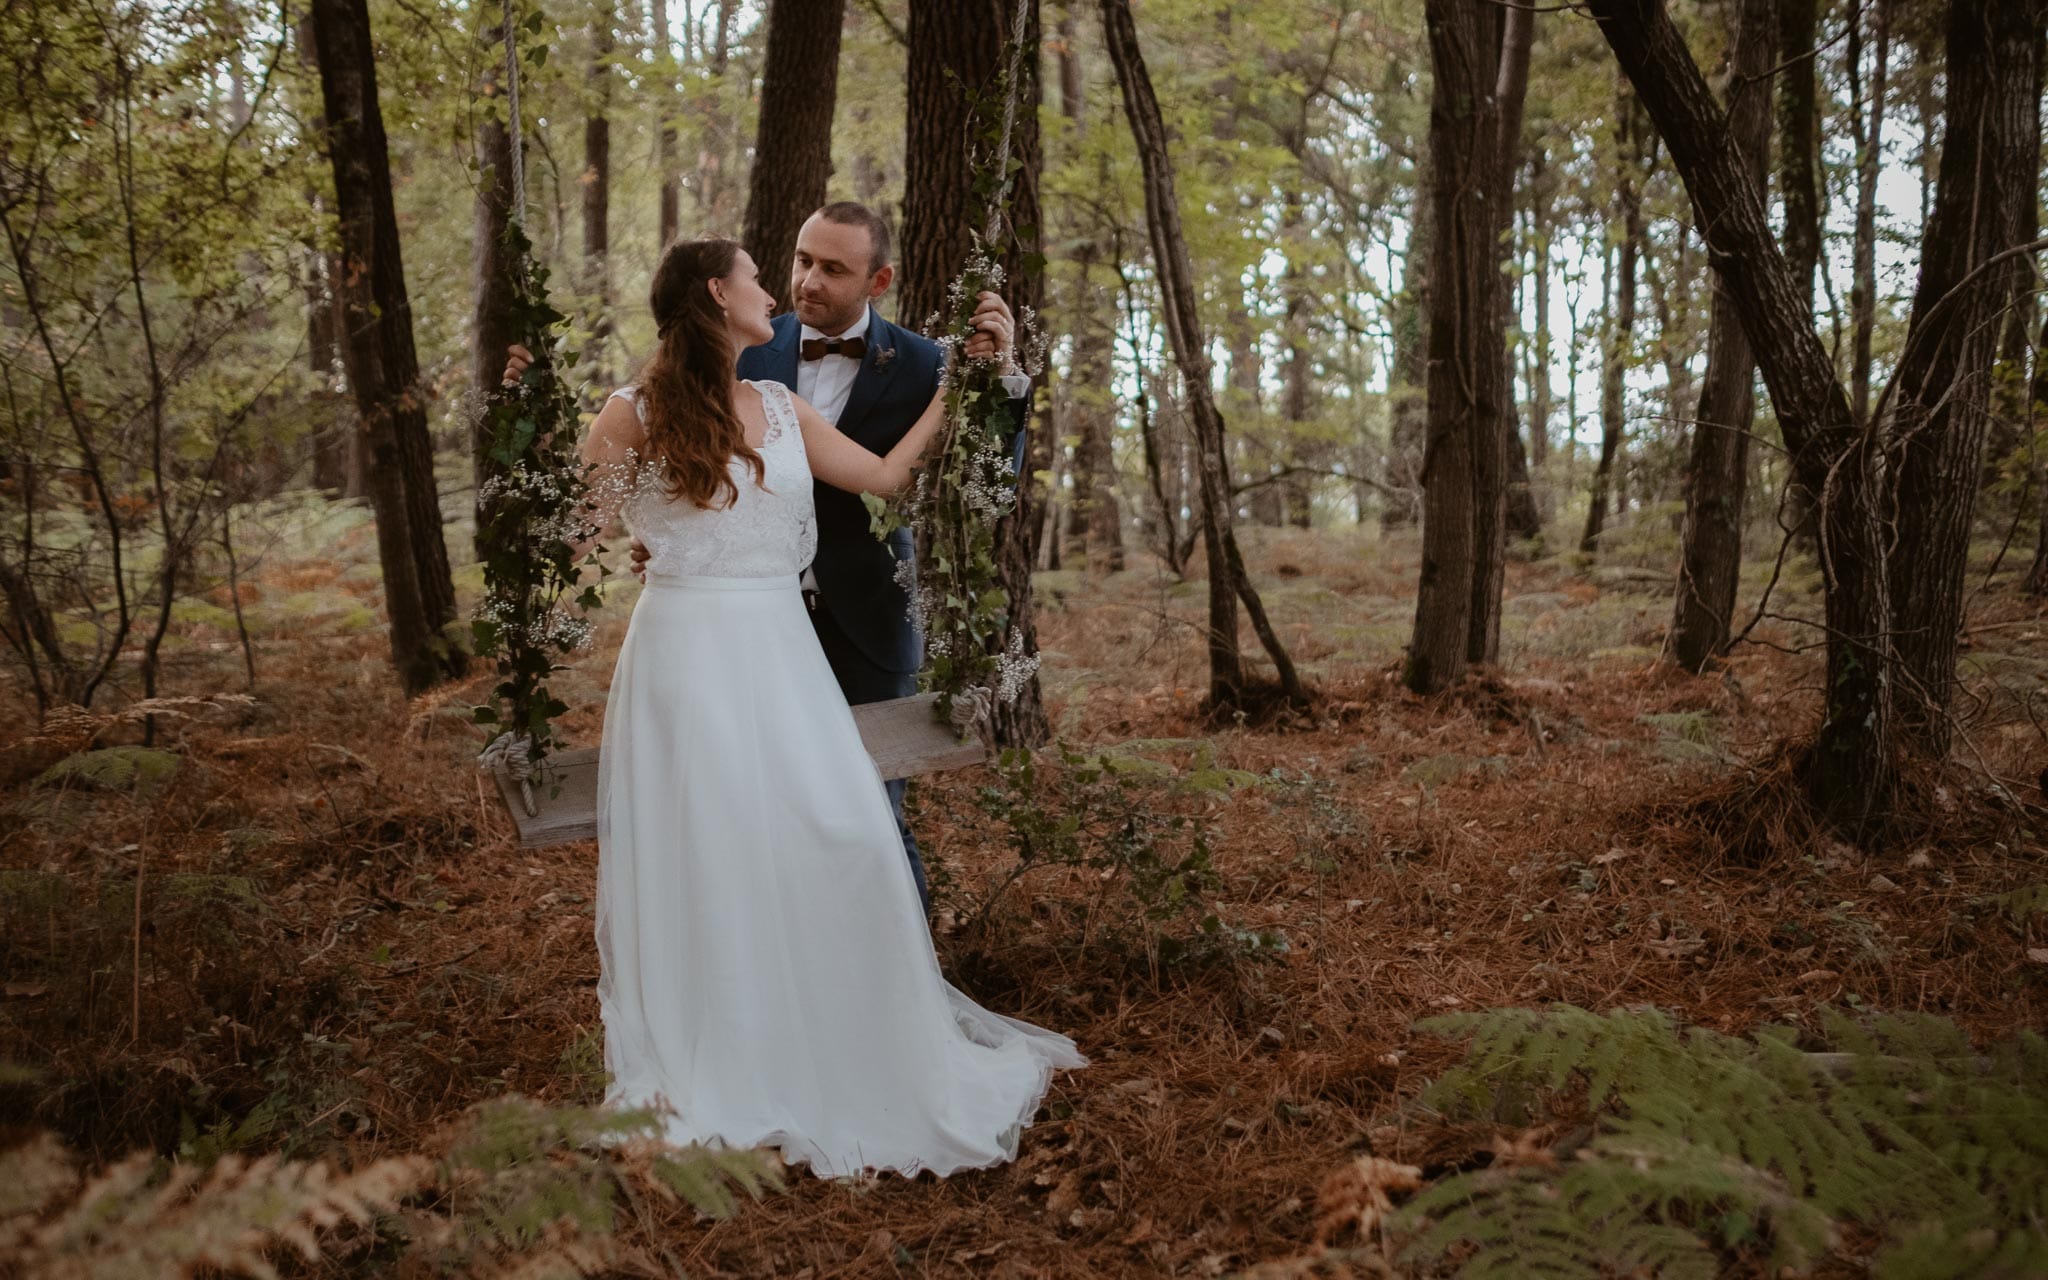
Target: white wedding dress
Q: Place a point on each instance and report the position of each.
(768, 975)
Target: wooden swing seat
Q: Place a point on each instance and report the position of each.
(904, 737)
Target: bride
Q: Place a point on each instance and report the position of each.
(768, 975)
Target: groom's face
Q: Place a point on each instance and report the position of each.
(834, 274)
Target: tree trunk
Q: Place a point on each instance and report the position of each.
(1090, 396)
(2037, 422)
(1501, 500)
(793, 146)
(1799, 186)
(1868, 131)
(666, 102)
(1228, 582)
(1408, 401)
(958, 50)
(492, 328)
(1849, 770)
(1941, 393)
(1710, 557)
(597, 198)
(1621, 316)
(712, 188)
(1465, 384)
(383, 369)
(337, 468)
(1542, 401)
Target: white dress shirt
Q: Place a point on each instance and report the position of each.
(827, 381)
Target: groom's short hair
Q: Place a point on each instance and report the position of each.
(852, 213)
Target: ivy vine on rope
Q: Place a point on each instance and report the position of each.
(974, 649)
(532, 511)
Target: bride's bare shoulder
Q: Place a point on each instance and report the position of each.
(617, 434)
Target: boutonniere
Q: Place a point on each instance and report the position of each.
(883, 355)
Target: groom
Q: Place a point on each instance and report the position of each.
(871, 379)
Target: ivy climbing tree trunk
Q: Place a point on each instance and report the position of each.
(1710, 555)
(492, 328)
(1970, 269)
(597, 196)
(1850, 769)
(958, 50)
(1228, 582)
(1464, 355)
(1621, 315)
(383, 369)
(793, 145)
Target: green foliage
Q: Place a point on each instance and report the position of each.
(113, 769)
(1102, 813)
(521, 1183)
(1707, 1147)
(533, 524)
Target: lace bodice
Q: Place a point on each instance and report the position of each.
(769, 531)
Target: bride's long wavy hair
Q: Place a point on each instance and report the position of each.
(685, 387)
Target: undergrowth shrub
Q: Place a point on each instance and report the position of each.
(519, 1187)
(1112, 813)
(1699, 1151)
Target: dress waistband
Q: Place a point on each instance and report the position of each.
(700, 582)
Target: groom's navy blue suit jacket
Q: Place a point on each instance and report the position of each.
(856, 572)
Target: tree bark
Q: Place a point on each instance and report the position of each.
(1868, 129)
(383, 369)
(958, 50)
(1710, 556)
(1090, 396)
(1228, 582)
(1518, 502)
(1621, 317)
(492, 328)
(597, 196)
(1941, 393)
(1500, 479)
(1799, 186)
(712, 189)
(337, 469)
(1407, 394)
(1465, 383)
(793, 146)
(665, 108)
(1850, 768)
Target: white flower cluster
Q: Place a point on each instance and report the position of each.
(557, 628)
(1013, 669)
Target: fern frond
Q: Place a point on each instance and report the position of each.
(1705, 1142)
(137, 1220)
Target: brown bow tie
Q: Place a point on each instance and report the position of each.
(819, 348)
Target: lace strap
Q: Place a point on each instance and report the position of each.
(781, 410)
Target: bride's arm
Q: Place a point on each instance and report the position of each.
(844, 464)
(612, 453)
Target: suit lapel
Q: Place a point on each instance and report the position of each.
(872, 378)
(783, 351)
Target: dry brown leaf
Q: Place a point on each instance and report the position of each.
(1354, 1200)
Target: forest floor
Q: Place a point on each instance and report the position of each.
(342, 948)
